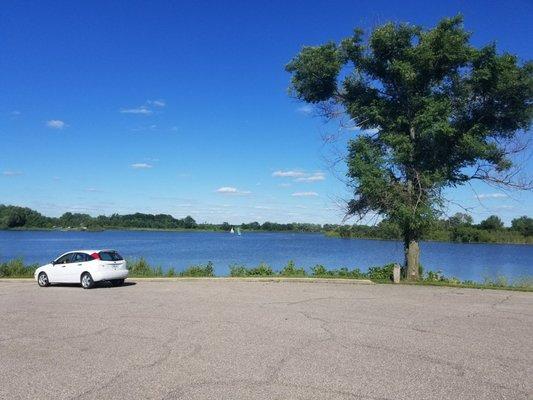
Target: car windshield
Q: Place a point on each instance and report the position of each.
(110, 256)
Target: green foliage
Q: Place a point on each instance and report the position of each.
(141, 268)
(431, 106)
(171, 273)
(381, 273)
(16, 269)
(492, 223)
(523, 225)
(319, 271)
(199, 270)
(458, 228)
(292, 270)
(242, 271)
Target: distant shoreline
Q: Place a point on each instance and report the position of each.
(327, 234)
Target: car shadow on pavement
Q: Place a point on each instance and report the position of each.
(97, 285)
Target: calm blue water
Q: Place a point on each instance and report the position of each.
(181, 249)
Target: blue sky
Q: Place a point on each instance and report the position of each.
(182, 108)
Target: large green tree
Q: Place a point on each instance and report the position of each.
(433, 112)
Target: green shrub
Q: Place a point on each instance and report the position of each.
(171, 273)
(199, 270)
(319, 271)
(292, 270)
(141, 267)
(16, 269)
(238, 270)
(499, 281)
(381, 273)
(242, 271)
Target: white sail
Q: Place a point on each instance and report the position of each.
(232, 231)
(239, 231)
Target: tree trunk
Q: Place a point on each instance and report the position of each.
(412, 259)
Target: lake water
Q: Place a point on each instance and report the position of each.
(182, 249)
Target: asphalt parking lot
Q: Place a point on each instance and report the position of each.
(264, 340)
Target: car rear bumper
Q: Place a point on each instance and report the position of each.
(109, 275)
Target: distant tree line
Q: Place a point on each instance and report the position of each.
(458, 228)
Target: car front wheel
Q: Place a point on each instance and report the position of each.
(87, 281)
(42, 280)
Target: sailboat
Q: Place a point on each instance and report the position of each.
(239, 231)
(231, 230)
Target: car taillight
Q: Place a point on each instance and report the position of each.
(95, 256)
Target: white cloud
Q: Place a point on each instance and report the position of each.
(315, 177)
(141, 166)
(288, 174)
(231, 190)
(56, 124)
(491, 196)
(93, 190)
(142, 110)
(12, 173)
(157, 103)
(146, 108)
(300, 176)
(305, 194)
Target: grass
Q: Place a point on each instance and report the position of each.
(380, 274)
(141, 269)
(16, 269)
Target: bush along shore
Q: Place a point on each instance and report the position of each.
(379, 274)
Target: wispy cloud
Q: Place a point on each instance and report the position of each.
(305, 194)
(141, 110)
(300, 176)
(314, 177)
(12, 173)
(145, 109)
(56, 124)
(288, 174)
(231, 191)
(483, 196)
(141, 166)
(157, 103)
(93, 190)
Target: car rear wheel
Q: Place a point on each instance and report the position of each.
(87, 281)
(117, 282)
(42, 280)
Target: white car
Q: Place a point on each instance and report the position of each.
(85, 267)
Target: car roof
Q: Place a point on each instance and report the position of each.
(85, 251)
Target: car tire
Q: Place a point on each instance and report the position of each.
(117, 282)
(87, 281)
(42, 280)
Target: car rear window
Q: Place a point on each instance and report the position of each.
(110, 256)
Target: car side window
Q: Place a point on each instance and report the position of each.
(64, 259)
(82, 257)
